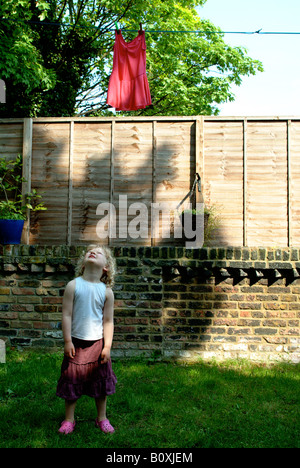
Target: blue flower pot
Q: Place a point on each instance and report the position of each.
(11, 231)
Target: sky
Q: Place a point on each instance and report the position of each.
(276, 91)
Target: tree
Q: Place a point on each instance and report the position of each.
(67, 56)
(21, 67)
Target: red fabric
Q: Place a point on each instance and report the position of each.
(84, 374)
(128, 87)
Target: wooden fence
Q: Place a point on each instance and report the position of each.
(249, 167)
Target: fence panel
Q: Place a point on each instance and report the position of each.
(132, 180)
(267, 183)
(91, 163)
(11, 138)
(223, 178)
(50, 175)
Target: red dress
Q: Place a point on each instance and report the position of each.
(128, 87)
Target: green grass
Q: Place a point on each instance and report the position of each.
(158, 405)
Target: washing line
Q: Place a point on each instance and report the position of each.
(201, 31)
(151, 31)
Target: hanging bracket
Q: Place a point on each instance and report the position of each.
(198, 181)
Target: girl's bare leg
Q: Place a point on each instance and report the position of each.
(101, 408)
(70, 409)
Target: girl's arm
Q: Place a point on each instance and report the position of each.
(108, 325)
(67, 312)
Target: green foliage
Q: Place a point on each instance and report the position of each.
(22, 66)
(56, 70)
(13, 205)
(212, 220)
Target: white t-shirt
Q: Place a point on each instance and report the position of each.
(87, 320)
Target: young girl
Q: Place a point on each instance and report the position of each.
(87, 324)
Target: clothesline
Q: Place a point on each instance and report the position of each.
(152, 31)
(200, 31)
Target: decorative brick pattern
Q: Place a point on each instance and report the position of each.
(169, 301)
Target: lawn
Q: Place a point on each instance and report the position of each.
(156, 405)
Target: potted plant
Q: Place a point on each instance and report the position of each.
(211, 221)
(14, 205)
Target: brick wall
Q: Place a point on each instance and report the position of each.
(169, 301)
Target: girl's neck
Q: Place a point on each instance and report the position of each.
(91, 275)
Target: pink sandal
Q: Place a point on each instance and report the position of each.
(105, 426)
(66, 427)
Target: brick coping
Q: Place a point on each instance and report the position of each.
(61, 257)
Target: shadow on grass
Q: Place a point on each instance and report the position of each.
(161, 405)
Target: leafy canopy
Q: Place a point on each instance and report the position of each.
(57, 56)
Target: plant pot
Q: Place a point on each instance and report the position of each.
(11, 231)
(191, 220)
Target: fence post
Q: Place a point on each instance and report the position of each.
(70, 188)
(154, 158)
(26, 172)
(199, 150)
(112, 180)
(245, 181)
(289, 211)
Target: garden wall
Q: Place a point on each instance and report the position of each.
(170, 302)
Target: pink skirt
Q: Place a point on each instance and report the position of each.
(84, 374)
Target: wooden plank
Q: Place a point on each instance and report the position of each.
(11, 139)
(26, 173)
(116, 119)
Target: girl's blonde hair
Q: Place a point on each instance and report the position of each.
(108, 277)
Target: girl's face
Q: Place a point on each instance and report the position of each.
(96, 256)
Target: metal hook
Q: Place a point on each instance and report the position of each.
(198, 182)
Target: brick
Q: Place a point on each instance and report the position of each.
(52, 300)
(274, 323)
(45, 308)
(275, 306)
(265, 331)
(28, 299)
(250, 305)
(4, 324)
(23, 291)
(9, 267)
(5, 299)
